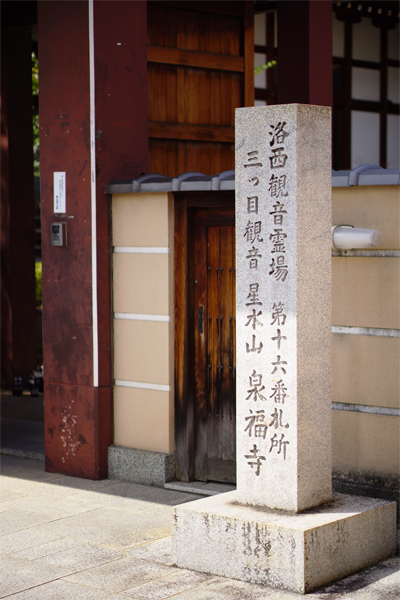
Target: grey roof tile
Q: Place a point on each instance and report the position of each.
(196, 182)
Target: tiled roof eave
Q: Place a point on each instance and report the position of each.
(225, 181)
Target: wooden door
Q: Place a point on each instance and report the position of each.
(200, 68)
(214, 345)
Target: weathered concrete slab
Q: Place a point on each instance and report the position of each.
(18, 574)
(114, 527)
(158, 551)
(63, 589)
(80, 558)
(121, 575)
(15, 520)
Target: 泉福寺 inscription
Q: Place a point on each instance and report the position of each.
(271, 211)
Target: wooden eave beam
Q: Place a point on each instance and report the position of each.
(188, 58)
(184, 131)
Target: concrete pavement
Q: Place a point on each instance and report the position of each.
(65, 538)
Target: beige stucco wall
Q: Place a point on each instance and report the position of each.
(365, 367)
(144, 419)
(366, 446)
(369, 207)
(152, 271)
(142, 239)
(364, 292)
(366, 370)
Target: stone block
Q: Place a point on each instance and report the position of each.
(140, 466)
(283, 306)
(294, 551)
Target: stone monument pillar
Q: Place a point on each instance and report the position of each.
(282, 526)
(283, 306)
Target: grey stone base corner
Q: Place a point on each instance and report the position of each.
(140, 466)
(295, 552)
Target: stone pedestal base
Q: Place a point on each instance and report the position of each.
(297, 552)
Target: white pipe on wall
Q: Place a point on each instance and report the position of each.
(347, 237)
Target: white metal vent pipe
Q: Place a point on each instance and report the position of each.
(347, 237)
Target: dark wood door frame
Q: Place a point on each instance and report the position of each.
(184, 207)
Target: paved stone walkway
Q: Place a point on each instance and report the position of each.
(64, 538)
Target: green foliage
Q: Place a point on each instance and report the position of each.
(38, 278)
(261, 68)
(35, 75)
(35, 117)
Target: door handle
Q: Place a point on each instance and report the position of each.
(200, 320)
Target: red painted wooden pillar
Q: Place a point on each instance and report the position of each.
(92, 63)
(305, 52)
